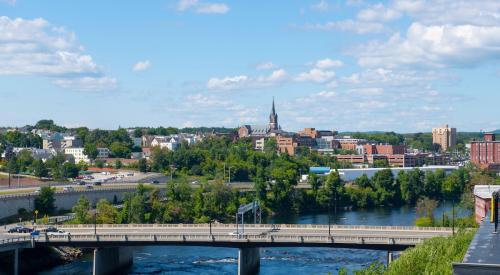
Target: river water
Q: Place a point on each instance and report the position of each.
(307, 260)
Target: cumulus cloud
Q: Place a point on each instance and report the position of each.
(87, 83)
(378, 12)
(316, 75)
(265, 66)
(360, 27)
(321, 6)
(246, 82)
(202, 7)
(141, 66)
(36, 47)
(434, 46)
(328, 63)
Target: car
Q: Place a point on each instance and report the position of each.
(50, 229)
(88, 186)
(38, 190)
(155, 182)
(35, 233)
(97, 183)
(20, 229)
(58, 233)
(68, 188)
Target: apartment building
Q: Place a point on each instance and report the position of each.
(445, 136)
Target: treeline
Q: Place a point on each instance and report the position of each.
(181, 203)
(56, 167)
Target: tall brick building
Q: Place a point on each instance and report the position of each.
(486, 154)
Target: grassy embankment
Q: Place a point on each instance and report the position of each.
(434, 256)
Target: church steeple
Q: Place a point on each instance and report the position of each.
(273, 118)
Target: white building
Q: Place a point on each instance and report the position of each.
(36, 153)
(259, 144)
(78, 155)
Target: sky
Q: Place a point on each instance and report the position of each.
(354, 65)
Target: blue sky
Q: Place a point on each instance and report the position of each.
(346, 65)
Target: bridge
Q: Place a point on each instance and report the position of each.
(112, 242)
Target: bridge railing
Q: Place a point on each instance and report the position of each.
(176, 238)
(267, 226)
(14, 240)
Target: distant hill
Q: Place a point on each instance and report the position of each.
(497, 132)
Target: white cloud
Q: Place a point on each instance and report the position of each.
(246, 82)
(434, 46)
(316, 75)
(321, 6)
(9, 2)
(265, 66)
(328, 63)
(368, 91)
(202, 7)
(360, 27)
(388, 77)
(141, 66)
(36, 47)
(87, 83)
(454, 12)
(378, 12)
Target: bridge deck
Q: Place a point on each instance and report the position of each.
(364, 237)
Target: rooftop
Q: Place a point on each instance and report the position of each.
(485, 191)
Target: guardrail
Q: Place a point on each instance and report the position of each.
(266, 226)
(15, 240)
(30, 194)
(226, 238)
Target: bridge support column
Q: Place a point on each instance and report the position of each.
(16, 261)
(390, 257)
(248, 260)
(111, 260)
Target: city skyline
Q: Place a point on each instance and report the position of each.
(348, 66)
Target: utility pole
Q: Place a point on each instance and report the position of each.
(95, 219)
(453, 217)
(229, 175)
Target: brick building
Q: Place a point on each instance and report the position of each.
(286, 144)
(486, 154)
(372, 149)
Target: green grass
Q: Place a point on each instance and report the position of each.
(434, 256)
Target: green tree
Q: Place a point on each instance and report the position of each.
(90, 150)
(381, 163)
(363, 181)
(120, 149)
(69, 170)
(44, 202)
(99, 163)
(81, 210)
(106, 212)
(411, 184)
(314, 182)
(118, 164)
(39, 169)
(143, 165)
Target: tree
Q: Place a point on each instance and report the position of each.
(12, 165)
(81, 210)
(143, 165)
(363, 181)
(332, 190)
(106, 212)
(314, 182)
(411, 184)
(385, 187)
(69, 170)
(99, 163)
(90, 150)
(381, 163)
(120, 149)
(118, 164)
(44, 202)
(39, 169)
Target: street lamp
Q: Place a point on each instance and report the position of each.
(95, 218)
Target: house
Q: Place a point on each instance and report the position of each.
(482, 200)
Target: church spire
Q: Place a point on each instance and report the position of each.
(273, 118)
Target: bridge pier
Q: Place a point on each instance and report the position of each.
(248, 260)
(390, 257)
(111, 260)
(16, 261)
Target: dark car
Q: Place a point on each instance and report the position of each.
(51, 229)
(155, 182)
(97, 183)
(20, 229)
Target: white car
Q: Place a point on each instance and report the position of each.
(68, 188)
(58, 233)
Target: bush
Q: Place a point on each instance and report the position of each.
(423, 222)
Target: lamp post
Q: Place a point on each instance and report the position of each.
(329, 231)
(453, 217)
(95, 218)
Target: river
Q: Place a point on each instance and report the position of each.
(307, 260)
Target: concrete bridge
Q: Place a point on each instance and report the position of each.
(112, 243)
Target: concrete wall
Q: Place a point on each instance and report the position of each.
(9, 205)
